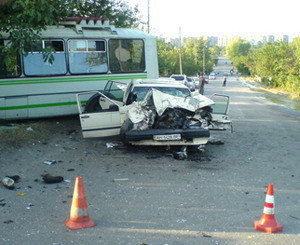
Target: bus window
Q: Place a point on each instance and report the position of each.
(58, 46)
(87, 56)
(34, 64)
(126, 55)
(11, 67)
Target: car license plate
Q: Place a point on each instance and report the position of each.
(167, 137)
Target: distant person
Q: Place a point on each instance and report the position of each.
(224, 82)
(201, 83)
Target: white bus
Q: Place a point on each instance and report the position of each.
(88, 53)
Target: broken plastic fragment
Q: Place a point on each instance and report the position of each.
(50, 162)
(8, 182)
(110, 145)
(180, 155)
(16, 178)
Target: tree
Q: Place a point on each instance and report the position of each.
(117, 11)
(237, 51)
(192, 57)
(167, 58)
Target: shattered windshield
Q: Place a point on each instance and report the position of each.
(139, 93)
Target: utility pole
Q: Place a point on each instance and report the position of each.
(148, 16)
(204, 59)
(180, 64)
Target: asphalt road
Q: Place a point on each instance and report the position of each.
(145, 196)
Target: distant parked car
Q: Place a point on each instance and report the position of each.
(196, 79)
(181, 78)
(212, 76)
(192, 83)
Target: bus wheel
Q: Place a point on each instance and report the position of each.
(93, 104)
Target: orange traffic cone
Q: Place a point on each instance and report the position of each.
(79, 217)
(268, 223)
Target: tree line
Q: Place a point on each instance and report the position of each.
(196, 56)
(276, 64)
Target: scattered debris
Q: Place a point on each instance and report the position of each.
(125, 179)
(2, 204)
(205, 235)
(50, 162)
(50, 179)
(216, 142)
(67, 180)
(29, 206)
(71, 169)
(8, 221)
(110, 145)
(180, 155)
(16, 178)
(8, 182)
(21, 194)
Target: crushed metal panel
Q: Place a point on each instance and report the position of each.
(162, 101)
(143, 113)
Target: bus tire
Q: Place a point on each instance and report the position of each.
(93, 104)
(126, 126)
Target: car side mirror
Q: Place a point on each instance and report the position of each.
(113, 107)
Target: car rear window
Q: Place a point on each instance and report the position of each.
(178, 78)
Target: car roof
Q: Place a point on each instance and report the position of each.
(161, 82)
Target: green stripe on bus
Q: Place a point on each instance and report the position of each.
(70, 79)
(37, 106)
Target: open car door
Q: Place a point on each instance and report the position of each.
(220, 119)
(106, 122)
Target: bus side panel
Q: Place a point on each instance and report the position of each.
(16, 107)
(2, 112)
(52, 105)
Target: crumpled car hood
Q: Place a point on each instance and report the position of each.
(156, 103)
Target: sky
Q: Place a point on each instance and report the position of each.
(220, 17)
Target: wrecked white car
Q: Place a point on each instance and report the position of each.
(152, 112)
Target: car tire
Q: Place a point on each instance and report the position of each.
(126, 126)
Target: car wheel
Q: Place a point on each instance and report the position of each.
(93, 104)
(126, 126)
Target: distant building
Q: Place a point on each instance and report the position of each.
(212, 41)
(283, 38)
(254, 40)
(270, 38)
(224, 41)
